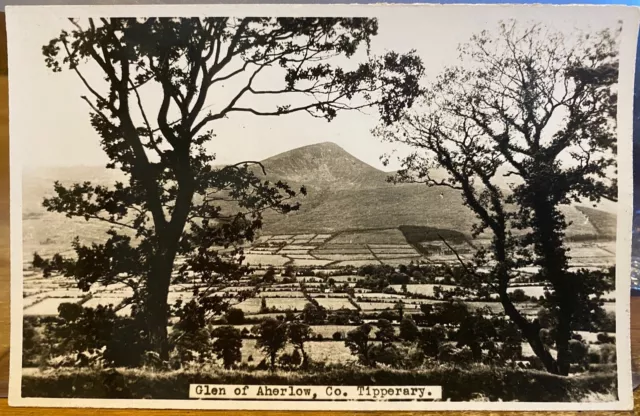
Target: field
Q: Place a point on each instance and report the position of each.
(335, 303)
(48, 306)
(426, 289)
(286, 304)
(331, 352)
(390, 237)
(251, 305)
(375, 306)
(281, 294)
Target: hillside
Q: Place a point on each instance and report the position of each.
(406, 204)
(344, 193)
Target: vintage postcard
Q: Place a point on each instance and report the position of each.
(314, 207)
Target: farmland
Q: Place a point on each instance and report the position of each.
(332, 272)
(334, 258)
(338, 284)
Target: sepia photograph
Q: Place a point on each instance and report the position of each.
(345, 207)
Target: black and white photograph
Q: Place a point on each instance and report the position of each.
(321, 207)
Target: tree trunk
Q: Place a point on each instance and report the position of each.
(549, 229)
(531, 333)
(563, 335)
(159, 280)
(304, 357)
(157, 308)
(273, 360)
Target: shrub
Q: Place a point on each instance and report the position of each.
(289, 360)
(388, 315)
(386, 354)
(607, 354)
(33, 349)
(457, 356)
(579, 352)
(606, 339)
(430, 339)
(338, 336)
(385, 332)
(511, 349)
(94, 335)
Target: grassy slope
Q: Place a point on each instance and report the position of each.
(604, 222)
(390, 207)
(395, 206)
(458, 384)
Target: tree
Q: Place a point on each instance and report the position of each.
(386, 354)
(518, 295)
(228, 345)
(97, 332)
(174, 201)
(385, 333)
(269, 275)
(313, 315)
(408, 329)
(235, 316)
(359, 344)
(299, 333)
(272, 337)
(289, 271)
(190, 336)
(525, 125)
(399, 306)
(431, 339)
(263, 305)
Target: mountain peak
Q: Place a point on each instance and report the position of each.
(323, 164)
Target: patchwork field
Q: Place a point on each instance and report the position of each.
(326, 254)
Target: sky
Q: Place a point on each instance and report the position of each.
(58, 132)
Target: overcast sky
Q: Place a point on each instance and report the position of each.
(59, 132)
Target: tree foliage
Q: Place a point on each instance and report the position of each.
(272, 337)
(159, 92)
(299, 333)
(408, 329)
(524, 125)
(360, 345)
(228, 345)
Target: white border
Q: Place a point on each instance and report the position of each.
(623, 244)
